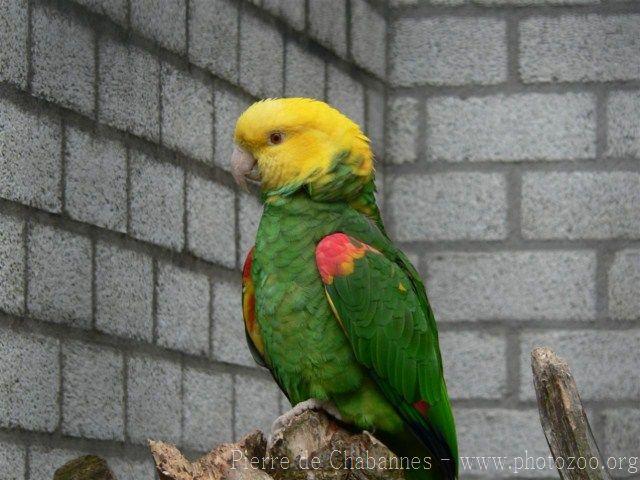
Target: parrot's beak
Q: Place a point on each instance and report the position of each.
(242, 166)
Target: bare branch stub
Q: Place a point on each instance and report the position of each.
(564, 420)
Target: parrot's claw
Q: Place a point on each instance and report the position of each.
(312, 404)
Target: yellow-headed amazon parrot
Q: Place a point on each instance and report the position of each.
(331, 306)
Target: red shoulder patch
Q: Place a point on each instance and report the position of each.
(422, 407)
(249, 304)
(335, 255)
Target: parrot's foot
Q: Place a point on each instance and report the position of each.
(374, 440)
(311, 404)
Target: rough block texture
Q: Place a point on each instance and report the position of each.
(44, 461)
(512, 285)
(13, 37)
(581, 205)
(475, 364)
(157, 206)
(114, 9)
(622, 438)
(328, 24)
(183, 310)
(368, 37)
(346, 94)
(448, 51)
(187, 114)
(213, 36)
(153, 400)
(13, 459)
(161, 20)
(623, 111)
(304, 73)
(448, 206)
(591, 355)
(257, 404)
(210, 227)
(249, 218)
(580, 48)
(96, 180)
(402, 130)
(375, 121)
(260, 41)
(59, 269)
(63, 59)
(518, 127)
(624, 285)
(228, 342)
(291, 11)
(30, 157)
(228, 107)
(128, 88)
(93, 392)
(124, 292)
(29, 381)
(208, 409)
(11, 265)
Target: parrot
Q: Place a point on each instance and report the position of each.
(331, 307)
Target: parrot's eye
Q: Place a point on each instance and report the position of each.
(275, 138)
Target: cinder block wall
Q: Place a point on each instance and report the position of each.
(121, 230)
(513, 177)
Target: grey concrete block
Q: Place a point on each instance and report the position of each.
(114, 9)
(11, 265)
(157, 207)
(579, 48)
(249, 218)
(304, 73)
(211, 224)
(475, 364)
(229, 343)
(128, 91)
(96, 189)
(93, 392)
(228, 107)
(516, 127)
(257, 404)
(124, 292)
(213, 36)
(624, 285)
(623, 128)
(44, 461)
(13, 37)
(260, 41)
(29, 381)
(59, 270)
(512, 285)
(346, 94)
(402, 129)
(153, 400)
(622, 439)
(207, 409)
(526, 3)
(130, 469)
(448, 206)
(187, 114)
(375, 121)
(291, 11)
(183, 310)
(581, 205)
(13, 458)
(604, 363)
(162, 20)
(328, 25)
(62, 59)
(511, 434)
(448, 51)
(30, 158)
(368, 37)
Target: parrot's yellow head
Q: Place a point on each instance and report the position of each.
(290, 144)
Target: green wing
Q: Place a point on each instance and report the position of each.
(382, 307)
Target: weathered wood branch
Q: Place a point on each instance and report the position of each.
(564, 420)
(312, 445)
